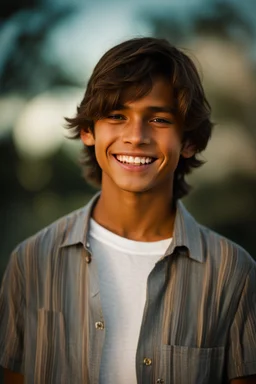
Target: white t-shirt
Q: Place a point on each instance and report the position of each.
(123, 268)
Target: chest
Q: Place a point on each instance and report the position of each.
(181, 327)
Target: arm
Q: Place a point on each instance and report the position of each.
(11, 377)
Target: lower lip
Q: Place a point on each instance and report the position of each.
(132, 167)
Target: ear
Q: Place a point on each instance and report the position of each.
(187, 150)
(87, 137)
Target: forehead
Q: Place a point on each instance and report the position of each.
(158, 93)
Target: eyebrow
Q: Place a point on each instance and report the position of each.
(151, 108)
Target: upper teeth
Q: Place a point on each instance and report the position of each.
(134, 160)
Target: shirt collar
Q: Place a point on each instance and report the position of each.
(186, 230)
(186, 234)
(78, 230)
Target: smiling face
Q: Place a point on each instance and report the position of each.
(138, 146)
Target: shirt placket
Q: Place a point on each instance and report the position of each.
(96, 320)
(147, 363)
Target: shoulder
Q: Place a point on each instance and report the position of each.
(47, 241)
(227, 270)
(207, 246)
(224, 252)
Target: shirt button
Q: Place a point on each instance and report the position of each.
(99, 325)
(88, 258)
(147, 361)
(160, 381)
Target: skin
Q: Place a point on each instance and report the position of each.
(127, 194)
(244, 380)
(13, 377)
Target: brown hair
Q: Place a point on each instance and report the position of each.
(137, 62)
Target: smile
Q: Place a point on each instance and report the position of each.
(134, 160)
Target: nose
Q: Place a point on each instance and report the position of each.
(136, 133)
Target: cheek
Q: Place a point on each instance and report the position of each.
(171, 150)
(103, 141)
(171, 146)
(100, 154)
(105, 135)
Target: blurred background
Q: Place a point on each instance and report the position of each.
(47, 52)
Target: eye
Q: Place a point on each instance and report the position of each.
(161, 120)
(116, 116)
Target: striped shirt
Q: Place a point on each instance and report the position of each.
(199, 321)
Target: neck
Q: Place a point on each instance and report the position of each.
(146, 216)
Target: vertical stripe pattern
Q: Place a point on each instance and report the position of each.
(199, 321)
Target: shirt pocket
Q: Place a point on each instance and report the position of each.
(51, 361)
(186, 365)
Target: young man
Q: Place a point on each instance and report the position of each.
(130, 288)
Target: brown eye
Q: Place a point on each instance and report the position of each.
(116, 117)
(161, 121)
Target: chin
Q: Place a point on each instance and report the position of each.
(134, 188)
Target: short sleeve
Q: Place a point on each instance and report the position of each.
(12, 316)
(242, 342)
